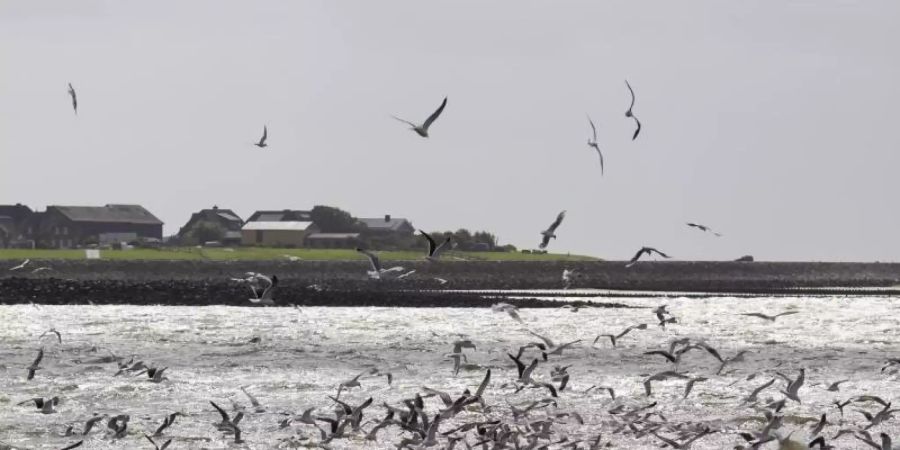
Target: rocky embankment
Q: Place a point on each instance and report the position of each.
(344, 283)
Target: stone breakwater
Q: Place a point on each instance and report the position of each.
(345, 283)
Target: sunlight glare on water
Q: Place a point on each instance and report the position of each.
(302, 356)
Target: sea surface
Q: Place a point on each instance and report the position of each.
(292, 359)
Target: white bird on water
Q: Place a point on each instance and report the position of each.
(422, 130)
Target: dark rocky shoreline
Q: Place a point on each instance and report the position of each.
(344, 283)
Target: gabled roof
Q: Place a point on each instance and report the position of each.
(382, 224)
(17, 212)
(281, 216)
(134, 214)
(284, 225)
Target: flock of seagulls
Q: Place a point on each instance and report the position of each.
(493, 414)
(422, 130)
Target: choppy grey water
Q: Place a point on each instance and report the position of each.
(302, 355)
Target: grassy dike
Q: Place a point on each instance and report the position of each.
(271, 254)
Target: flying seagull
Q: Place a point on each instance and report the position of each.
(434, 250)
(551, 231)
(74, 98)
(377, 271)
(35, 365)
(629, 113)
(594, 145)
(645, 250)
(422, 129)
(703, 228)
(262, 140)
(768, 317)
(20, 266)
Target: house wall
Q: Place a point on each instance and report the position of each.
(57, 231)
(273, 238)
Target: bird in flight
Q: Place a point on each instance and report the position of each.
(593, 144)
(262, 140)
(422, 130)
(645, 251)
(551, 231)
(74, 98)
(703, 228)
(434, 250)
(378, 271)
(20, 266)
(768, 317)
(630, 113)
(35, 365)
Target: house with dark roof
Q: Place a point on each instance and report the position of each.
(14, 225)
(285, 215)
(224, 220)
(388, 225)
(71, 226)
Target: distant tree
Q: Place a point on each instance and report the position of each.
(207, 231)
(333, 220)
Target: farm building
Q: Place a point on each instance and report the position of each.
(388, 225)
(288, 233)
(213, 224)
(71, 226)
(14, 221)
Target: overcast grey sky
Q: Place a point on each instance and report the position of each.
(773, 122)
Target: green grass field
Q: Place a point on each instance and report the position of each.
(258, 253)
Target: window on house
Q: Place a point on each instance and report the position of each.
(65, 230)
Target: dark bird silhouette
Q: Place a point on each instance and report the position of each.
(262, 140)
(74, 98)
(630, 112)
(35, 365)
(422, 130)
(645, 251)
(75, 445)
(550, 232)
(155, 445)
(593, 144)
(703, 228)
(768, 317)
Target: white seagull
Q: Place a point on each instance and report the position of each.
(262, 140)
(263, 295)
(377, 271)
(593, 144)
(422, 130)
(20, 266)
(551, 231)
(434, 250)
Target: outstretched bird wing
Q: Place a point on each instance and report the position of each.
(632, 97)
(555, 224)
(74, 98)
(432, 246)
(441, 248)
(637, 255)
(653, 250)
(593, 128)
(265, 135)
(373, 259)
(434, 115)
